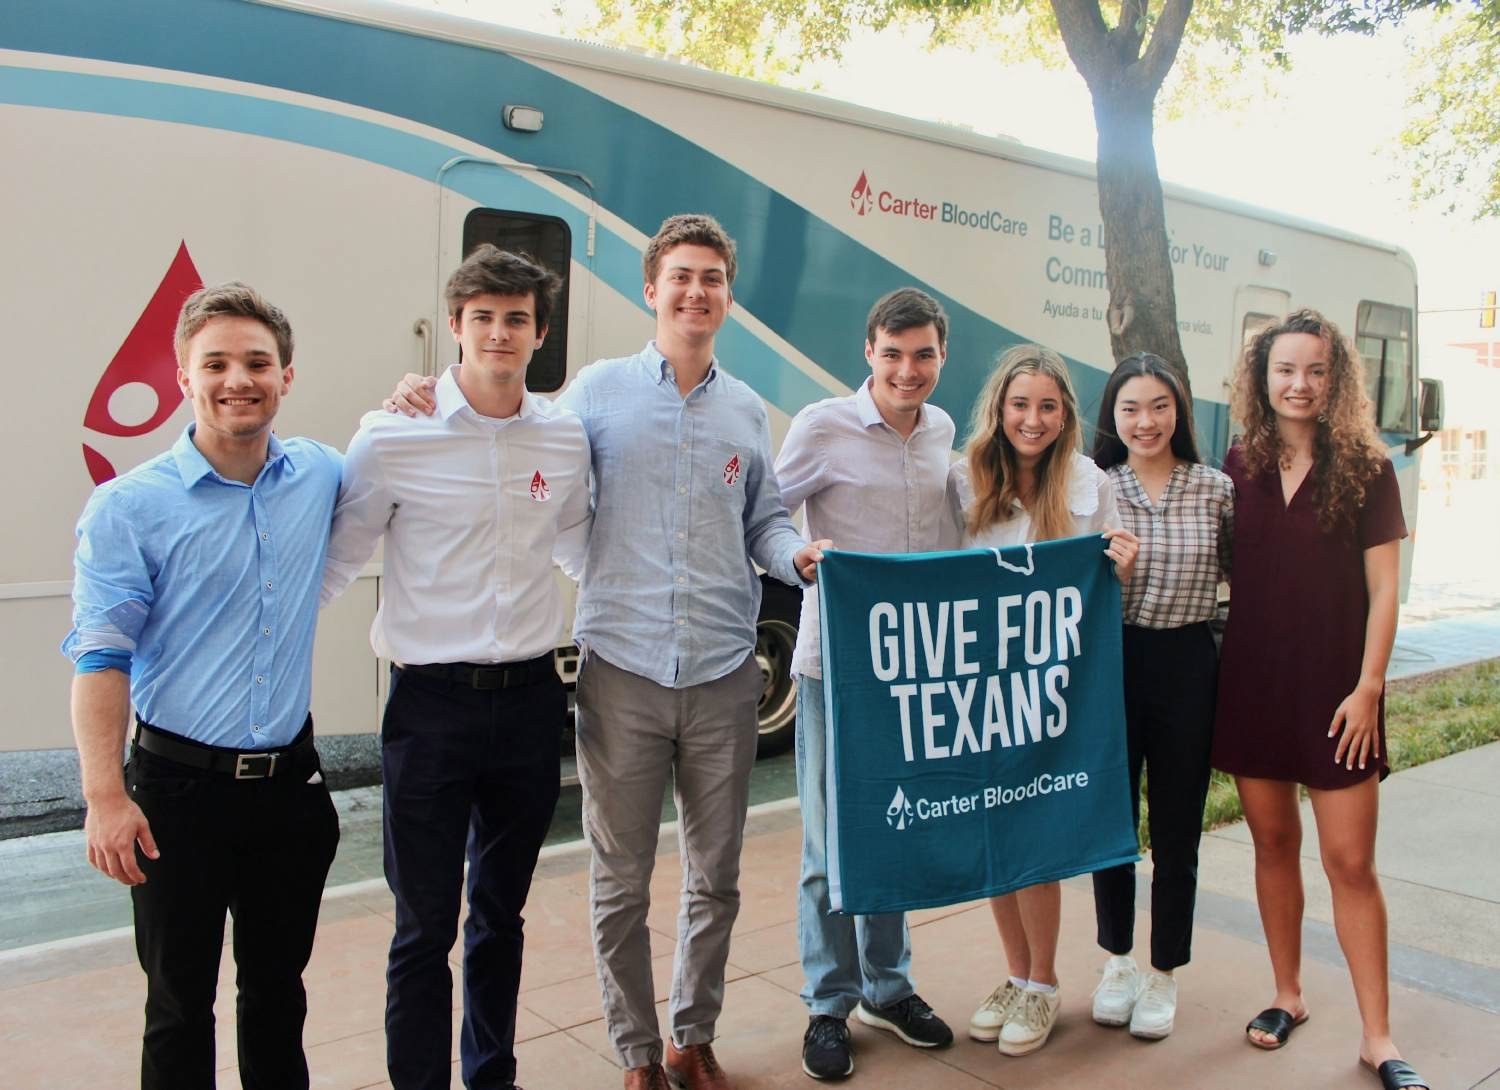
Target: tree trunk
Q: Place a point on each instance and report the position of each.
(1137, 258)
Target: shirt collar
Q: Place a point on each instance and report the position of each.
(657, 365)
(869, 412)
(450, 399)
(193, 467)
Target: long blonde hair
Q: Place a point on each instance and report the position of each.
(993, 471)
(1347, 451)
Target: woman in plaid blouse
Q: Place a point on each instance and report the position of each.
(1182, 511)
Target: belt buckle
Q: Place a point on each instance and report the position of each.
(244, 767)
(487, 678)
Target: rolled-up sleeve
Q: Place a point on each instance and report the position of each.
(112, 588)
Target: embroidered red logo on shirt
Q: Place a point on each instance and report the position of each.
(732, 471)
(539, 490)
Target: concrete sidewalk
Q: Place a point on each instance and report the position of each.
(70, 1012)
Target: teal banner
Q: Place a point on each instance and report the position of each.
(976, 722)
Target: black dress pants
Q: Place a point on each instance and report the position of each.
(1170, 679)
(260, 851)
(467, 771)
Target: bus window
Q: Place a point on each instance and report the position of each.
(547, 240)
(1383, 335)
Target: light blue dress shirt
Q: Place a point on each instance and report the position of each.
(206, 590)
(684, 500)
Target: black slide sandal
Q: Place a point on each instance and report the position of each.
(1278, 1023)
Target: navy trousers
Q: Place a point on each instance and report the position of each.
(1171, 677)
(473, 772)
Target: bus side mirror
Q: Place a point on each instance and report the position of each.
(1431, 412)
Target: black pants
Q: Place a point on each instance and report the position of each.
(260, 850)
(1170, 677)
(476, 771)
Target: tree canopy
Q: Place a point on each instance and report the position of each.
(1452, 139)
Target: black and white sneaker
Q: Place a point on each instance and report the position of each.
(910, 1019)
(825, 1048)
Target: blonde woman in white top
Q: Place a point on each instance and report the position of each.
(1023, 479)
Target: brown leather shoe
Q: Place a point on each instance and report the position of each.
(695, 1067)
(650, 1077)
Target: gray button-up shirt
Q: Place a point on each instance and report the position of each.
(866, 489)
(684, 500)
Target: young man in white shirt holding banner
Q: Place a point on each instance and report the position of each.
(872, 469)
(474, 502)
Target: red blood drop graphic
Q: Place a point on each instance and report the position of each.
(146, 356)
(99, 467)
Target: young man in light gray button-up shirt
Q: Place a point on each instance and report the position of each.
(872, 469)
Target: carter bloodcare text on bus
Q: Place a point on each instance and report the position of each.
(863, 198)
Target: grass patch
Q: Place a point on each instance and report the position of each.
(1425, 718)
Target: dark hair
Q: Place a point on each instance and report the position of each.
(694, 229)
(903, 309)
(1108, 449)
(490, 270)
(231, 300)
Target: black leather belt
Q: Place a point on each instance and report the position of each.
(252, 765)
(479, 675)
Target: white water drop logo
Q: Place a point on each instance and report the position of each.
(898, 814)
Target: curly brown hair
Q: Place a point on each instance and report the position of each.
(1347, 451)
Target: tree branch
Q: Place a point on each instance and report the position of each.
(1166, 37)
(1126, 38)
(1084, 35)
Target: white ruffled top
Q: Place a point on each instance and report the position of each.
(1091, 500)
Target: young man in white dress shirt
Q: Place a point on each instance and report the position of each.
(872, 469)
(474, 502)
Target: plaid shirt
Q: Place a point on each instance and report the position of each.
(1185, 544)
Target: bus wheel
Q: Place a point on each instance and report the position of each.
(775, 639)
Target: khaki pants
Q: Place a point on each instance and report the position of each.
(631, 733)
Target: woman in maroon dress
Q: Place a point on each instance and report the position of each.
(1317, 529)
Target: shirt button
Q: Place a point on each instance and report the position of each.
(684, 446)
(265, 631)
(265, 537)
(682, 490)
(260, 680)
(255, 727)
(681, 621)
(268, 584)
(681, 536)
(682, 579)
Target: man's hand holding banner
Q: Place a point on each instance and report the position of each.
(976, 722)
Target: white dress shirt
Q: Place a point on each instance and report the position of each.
(473, 510)
(866, 489)
(1091, 502)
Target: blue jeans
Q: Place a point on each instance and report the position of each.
(843, 957)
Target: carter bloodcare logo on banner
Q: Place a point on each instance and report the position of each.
(138, 393)
(864, 198)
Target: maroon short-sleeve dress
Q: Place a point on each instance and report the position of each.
(1296, 632)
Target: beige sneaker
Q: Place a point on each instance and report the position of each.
(1119, 987)
(992, 1013)
(1030, 1022)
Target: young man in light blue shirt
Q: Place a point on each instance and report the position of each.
(196, 599)
(872, 470)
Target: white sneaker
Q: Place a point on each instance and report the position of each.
(992, 1013)
(1030, 1022)
(1116, 994)
(1156, 1008)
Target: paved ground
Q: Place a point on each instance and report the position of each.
(71, 995)
(70, 1011)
